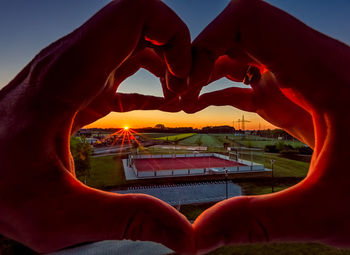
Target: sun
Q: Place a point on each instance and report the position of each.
(126, 128)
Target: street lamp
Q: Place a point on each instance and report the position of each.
(226, 176)
(272, 181)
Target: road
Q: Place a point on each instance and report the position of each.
(112, 150)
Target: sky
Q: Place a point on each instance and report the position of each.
(28, 26)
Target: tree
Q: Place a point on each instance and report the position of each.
(81, 151)
(160, 126)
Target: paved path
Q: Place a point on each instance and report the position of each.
(189, 193)
(123, 247)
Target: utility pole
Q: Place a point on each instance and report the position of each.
(272, 176)
(243, 121)
(243, 125)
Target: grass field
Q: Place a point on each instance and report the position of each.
(156, 135)
(284, 167)
(177, 137)
(280, 249)
(105, 172)
(262, 144)
(205, 140)
(256, 141)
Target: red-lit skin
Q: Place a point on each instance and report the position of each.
(108, 100)
(42, 204)
(311, 70)
(264, 98)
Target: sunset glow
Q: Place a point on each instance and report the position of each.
(124, 137)
(212, 116)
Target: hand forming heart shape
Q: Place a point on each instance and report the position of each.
(65, 88)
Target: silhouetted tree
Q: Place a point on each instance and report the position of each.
(81, 151)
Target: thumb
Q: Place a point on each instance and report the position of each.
(80, 214)
(296, 214)
(242, 98)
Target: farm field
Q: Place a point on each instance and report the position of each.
(174, 138)
(261, 144)
(202, 140)
(156, 135)
(257, 141)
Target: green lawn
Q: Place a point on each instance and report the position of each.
(251, 188)
(206, 140)
(280, 249)
(284, 167)
(106, 172)
(193, 140)
(176, 137)
(153, 150)
(262, 144)
(156, 135)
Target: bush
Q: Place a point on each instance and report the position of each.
(306, 150)
(289, 151)
(81, 151)
(280, 147)
(271, 148)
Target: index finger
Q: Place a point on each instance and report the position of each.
(73, 70)
(174, 40)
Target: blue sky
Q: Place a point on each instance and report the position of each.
(28, 26)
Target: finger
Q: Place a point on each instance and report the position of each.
(90, 215)
(168, 94)
(93, 51)
(214, 41)
(169, 32)
(148, 59)
(242, 98)
(176, 48)
(230, 68)
(204, 71)
(145, 58)
(123, 102)
(269, 218)
(287, 47)
(233, 66)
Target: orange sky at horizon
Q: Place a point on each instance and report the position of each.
(212, 116)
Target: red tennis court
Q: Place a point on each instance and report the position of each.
(156, 164)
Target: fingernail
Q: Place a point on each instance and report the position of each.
(252, 75)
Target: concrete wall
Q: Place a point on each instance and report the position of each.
(181, 172)
(164, 173)
(197, 171)
(145, 174)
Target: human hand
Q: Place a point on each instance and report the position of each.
(108, 100)
(42, 204)
(303, 64)
(263, 97)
